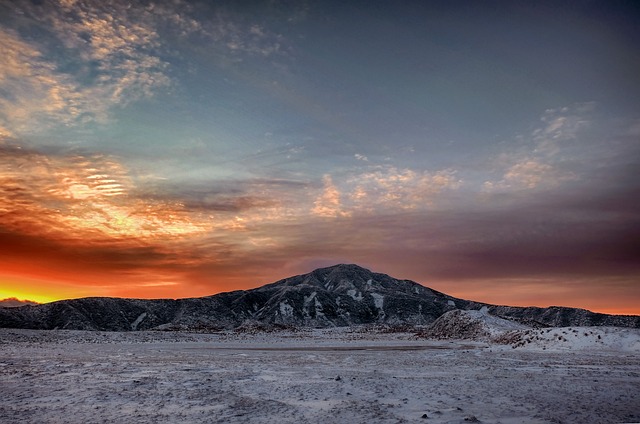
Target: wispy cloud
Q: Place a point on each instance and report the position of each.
(34, 91)
(528, 174)
(328, 204)
(550, 155)
(393, 188)
(82, 197)
(88, 57)
(561, 127)
(91, 57)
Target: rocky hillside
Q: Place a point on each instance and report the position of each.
(472, 325)
(340, 295)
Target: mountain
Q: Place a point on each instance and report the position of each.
(340, 295)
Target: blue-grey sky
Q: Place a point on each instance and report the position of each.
(181, 148)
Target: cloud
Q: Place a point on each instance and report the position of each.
(80, 211)
(528, 174)
(231, 33)
(32, 89)
(328, 204)
(88, 220)
(83, 59)
(82, 197)
(231, 203)
(250, 203)
(585, 236)
(381, 189)
(550, 217)
(556, 152)
(561, 127)
(553, 235)
(579, 236)
(392, 188)
(89, 58)
(81, 219)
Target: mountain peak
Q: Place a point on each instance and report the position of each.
(349, 280)
(344, 270)
(344, 267)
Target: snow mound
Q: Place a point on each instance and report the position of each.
(474, 325)
(574, 338)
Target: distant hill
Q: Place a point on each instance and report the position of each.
(341, 295)
(13, 302)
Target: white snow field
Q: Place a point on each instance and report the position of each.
(318, 376)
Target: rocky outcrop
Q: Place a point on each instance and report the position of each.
(470, 325)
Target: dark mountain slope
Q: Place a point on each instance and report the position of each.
(559, 316)
(92, 313)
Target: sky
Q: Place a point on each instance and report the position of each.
(171, 149)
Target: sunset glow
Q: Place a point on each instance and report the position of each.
(184, 148)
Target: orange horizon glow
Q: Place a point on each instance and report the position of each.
(80, 226)
(41, 291)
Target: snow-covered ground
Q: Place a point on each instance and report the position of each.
(574, 338)
(318, 376)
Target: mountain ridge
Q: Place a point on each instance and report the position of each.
(335, 296)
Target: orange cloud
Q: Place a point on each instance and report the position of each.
(390, 187)
(83, 197)
(81, 221)
(328, 203)
(381, 189)
(35, 90)
(77, 219)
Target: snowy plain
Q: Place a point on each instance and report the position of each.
(344, 375)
